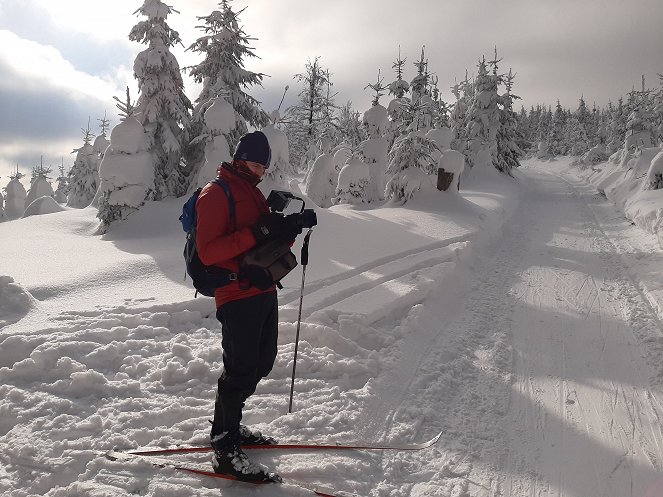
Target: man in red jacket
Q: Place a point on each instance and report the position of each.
(248, 314)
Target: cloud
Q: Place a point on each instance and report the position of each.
(46, 101)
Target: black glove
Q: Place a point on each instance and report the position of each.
(268, 227)
(293, 227)
(258, 277)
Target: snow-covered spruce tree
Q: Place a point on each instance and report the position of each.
(411, 158)
(62, 189)
(101, 142)
(3, 217)
(224, 47)
(163, 108)
(658, 113)
(353, 182)
(639, 126)
(524, 140)
(374, 149)
(40, 185)
(305, 121)
(420, 92)
(84, 174)
(556, 142)
(483, 117)
(508, 151)
(463, 93)
(127, 169)
(15, 196)
(398, 89)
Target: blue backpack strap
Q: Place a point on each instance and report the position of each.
(231, 201)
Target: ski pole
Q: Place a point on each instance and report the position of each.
(299, 317)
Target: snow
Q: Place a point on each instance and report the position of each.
(521, 318)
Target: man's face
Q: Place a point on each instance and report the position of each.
(257, 169)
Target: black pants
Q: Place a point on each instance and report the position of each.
(250, 332)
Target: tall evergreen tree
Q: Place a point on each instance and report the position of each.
(164, 108)
(483, 117)
(225, 46)
(508, 151)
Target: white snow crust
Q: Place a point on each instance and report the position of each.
(521, 318)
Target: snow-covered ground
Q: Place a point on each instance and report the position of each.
(523, 319)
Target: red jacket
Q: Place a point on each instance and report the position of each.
(217, 243)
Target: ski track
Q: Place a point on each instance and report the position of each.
(544, 375)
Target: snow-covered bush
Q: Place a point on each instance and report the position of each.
(320, 182)
(2, 208)
(452, 161)
(42, 205)
(595, 155)
(406, 183)
(654, 179)
(280, 168)
(352, 185)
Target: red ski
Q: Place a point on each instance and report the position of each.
(295, 446)
(165, 463)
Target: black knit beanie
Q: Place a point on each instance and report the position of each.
(254, 147)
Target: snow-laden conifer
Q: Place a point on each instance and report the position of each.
(508, 151)
(374, 149)
(320, 181)
(224, 47)
(463, 93)
(101, 142)
(15, 196)
(221, 122)
(127, 169)
(483, 117)
(40, 185)
(639, 127)
(557, 143)
(84, 174)
(162, 106)
(62, 189)
(353, 181)
(411, 158)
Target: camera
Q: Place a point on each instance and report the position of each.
(279, 200)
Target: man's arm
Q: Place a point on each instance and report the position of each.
(216, 241)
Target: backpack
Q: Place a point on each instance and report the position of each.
(206, 279)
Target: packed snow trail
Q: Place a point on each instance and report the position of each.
(583, 419)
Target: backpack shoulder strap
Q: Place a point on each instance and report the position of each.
(231, 201)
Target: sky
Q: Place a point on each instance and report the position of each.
(62, 61)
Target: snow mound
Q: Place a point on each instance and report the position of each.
(15, 302)
(43, 205)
